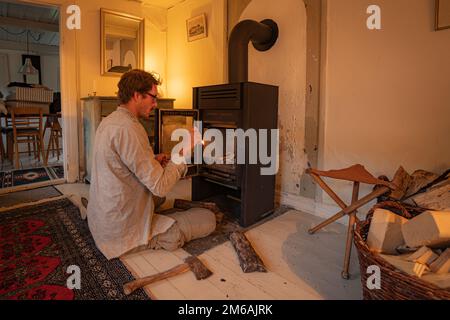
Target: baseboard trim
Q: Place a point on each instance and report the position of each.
(310, 206)
(32, 203)
(32, 186)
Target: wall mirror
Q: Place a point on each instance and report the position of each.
(122, 42)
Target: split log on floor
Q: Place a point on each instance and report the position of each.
(401, 180)
(420, 179)
(436, 198)
(248, 258)
(186, 204)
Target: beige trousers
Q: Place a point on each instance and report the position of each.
(170, 240)
(189, 225)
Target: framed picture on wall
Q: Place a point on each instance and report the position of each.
(442, 14)
(196, 28)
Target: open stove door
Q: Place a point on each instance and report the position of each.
(168, 120)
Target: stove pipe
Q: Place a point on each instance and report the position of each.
(263, 36)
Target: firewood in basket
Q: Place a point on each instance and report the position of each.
(431, 229)
(419, 269)
(420, 179)
(385, 232)
(424, 256)
(437, 198)
(248, 258)
(401, 180)
(442, 264)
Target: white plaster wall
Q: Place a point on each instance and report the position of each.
(284, 65)
(196, 63)
(156, 44)
(387, 97)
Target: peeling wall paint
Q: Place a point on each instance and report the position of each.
(284, 65)
(293, 159)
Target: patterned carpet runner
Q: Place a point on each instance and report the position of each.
(26, 176)
(44, 248)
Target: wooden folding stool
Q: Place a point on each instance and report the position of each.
(357, 174)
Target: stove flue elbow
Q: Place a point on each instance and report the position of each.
(263, 36)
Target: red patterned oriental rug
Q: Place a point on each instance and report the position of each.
(41, 249)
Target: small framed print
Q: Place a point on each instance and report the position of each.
(196, 28)
(442, 14)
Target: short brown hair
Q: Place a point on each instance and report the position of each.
(135, 81)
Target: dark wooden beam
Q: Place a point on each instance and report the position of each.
(29, 24)
(33, 48)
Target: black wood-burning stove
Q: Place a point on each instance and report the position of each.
(238, 188)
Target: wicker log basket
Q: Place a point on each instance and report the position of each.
(395, 284)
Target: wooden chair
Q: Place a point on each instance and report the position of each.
(55, 135)
(3, 111)
(7, 132)
(357, 174)
(2, 148)
(27, 128)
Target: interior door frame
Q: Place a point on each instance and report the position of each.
(70, 98)
(69, 61)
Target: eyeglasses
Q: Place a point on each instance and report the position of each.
(154, 96)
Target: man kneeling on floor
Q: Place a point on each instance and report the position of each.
(125, 176)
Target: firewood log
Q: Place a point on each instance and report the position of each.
(248, 258)
(436, 198)
(420, 179)
(401, 180)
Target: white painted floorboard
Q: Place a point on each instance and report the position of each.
(301, 266)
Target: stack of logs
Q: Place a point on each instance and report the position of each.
(422, 189)
(419, 245)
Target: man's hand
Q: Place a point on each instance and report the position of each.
(196, 138)
(163, 159)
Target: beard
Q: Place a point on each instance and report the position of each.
(144, 112)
